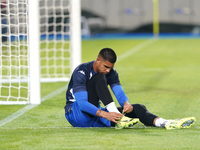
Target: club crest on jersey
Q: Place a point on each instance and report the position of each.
(81, 71)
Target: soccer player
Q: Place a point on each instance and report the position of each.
(89, 85)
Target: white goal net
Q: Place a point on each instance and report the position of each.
(58, 55)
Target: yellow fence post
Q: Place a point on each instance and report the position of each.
(156, 17)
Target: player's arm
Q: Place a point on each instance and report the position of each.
(80, 76)
(120, 94)
(84, 105)
(122, 98)
(116, 87)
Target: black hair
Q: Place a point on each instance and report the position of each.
(108, 54)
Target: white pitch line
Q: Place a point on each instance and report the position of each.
(29, 107)
(37, 128)
(137, 48)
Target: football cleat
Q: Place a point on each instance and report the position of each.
(180, 123)
(126, 122)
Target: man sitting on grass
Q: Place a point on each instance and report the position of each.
(88, 86)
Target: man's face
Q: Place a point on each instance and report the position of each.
(104, 66)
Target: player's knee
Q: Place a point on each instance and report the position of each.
(98, 76)
(101, 78)
(96, 79)
(139, 107)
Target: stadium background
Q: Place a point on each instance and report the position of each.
(128, 16)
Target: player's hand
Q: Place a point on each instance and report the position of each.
(111, 116)
(127, 107)
(114, 117)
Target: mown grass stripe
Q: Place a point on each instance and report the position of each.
(29, 107)
(136, 48)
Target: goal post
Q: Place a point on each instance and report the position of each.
(40, 42)
(75, 33)
(34, 51)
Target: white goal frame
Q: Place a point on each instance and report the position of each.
(34, 49)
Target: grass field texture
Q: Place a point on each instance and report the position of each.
(162, 74)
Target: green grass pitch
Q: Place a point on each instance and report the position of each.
(163, 75)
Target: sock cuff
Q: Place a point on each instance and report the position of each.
(160, 122)
(111, 107)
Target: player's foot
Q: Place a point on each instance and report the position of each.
(126, 122)
(180, 123)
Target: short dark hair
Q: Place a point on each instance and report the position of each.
(108, 54)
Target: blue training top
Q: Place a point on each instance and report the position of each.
(77, 87)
